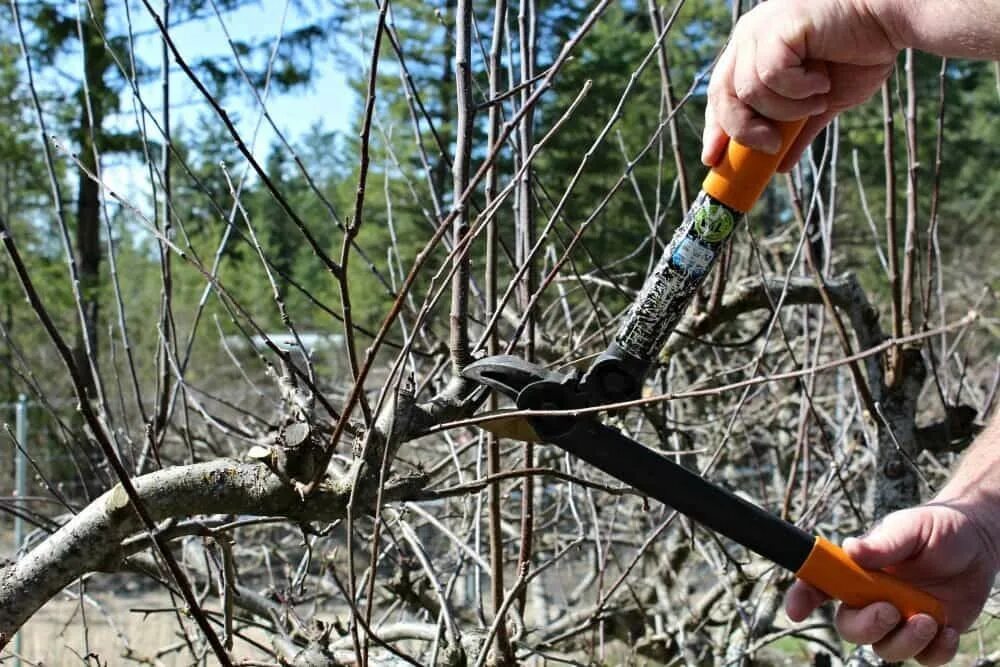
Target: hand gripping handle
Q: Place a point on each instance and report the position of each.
(743, 173)
(831, 570)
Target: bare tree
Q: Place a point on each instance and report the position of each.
(388, 512)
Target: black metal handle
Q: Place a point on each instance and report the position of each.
(660, 478)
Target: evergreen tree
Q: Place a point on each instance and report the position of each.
(106, 66)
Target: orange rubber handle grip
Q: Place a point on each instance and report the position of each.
(743, 173)
(831, 570)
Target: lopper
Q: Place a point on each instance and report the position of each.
(728, 193)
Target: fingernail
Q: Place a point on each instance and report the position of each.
(771, 145)
(819, 105)
(821, 83)
(924, 627)
(950, 635)
(887, 616)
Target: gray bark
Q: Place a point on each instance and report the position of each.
(896, 484)
(754, 294)
(92, 540)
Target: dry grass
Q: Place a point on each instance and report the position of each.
(63, 632)
(117, 634)
(115, 627)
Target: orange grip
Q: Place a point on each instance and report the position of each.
(831, 570)
(743, 173)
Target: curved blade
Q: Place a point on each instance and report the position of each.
(508, 374)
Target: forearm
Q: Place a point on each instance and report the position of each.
(953, 28)
(975, 484)
(980, 466)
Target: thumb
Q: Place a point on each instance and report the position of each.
(896, 539)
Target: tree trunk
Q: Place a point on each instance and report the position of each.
(93, 94)
(897, 481)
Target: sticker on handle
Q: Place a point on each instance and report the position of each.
(831, 570)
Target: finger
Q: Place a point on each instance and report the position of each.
(753, 92)
(741, 123)
(854, 84)
(941, 650)
(896, 539)
(869, 624)
(782, 70)
(736, 119)
(911, 638)
(808, 134)
(802, 600)
(713, 139)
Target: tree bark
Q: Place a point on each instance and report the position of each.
(92, 540)
(93, 93)
(897, 481)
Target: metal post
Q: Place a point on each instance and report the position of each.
(21, 482)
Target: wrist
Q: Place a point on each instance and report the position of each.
(974, 488)
(980, 507)
(893, 17)
(966, 29)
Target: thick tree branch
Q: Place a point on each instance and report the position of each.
(92, 540)
(754, 294)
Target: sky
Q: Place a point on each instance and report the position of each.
(328, 100)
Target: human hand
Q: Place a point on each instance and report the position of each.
(792, 59)
(941, 548)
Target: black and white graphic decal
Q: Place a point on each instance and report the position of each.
(668, 290)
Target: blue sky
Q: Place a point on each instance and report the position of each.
(328, 100)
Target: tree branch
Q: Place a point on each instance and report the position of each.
(92, 540)
(753, 294)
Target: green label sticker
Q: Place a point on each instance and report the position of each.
(713, 222)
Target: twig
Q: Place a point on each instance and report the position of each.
(334, 269)
(458, 341)
(933, 258)
(99, 434)
(616, 115)
(669, 104)
(500, 617)
(421, 259)
(887, 344)
(451, 628)
(895, 370)
(525, 256)
(489, 480)
(493, 343)
(864, 390)
(912, 166)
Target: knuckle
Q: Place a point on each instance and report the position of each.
(848, 627)
(871, 624)
(749, 92)
(770, 76)
(742, 26)
(741, 134)
(714, 89)
(886, 618)
(729, 118)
